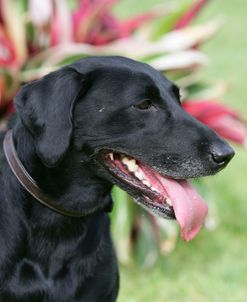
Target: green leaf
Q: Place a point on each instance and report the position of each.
(14, 21)
(204, 90)
(168, 235)
(146, 248)
(188, 60)
(166, 24)
(8, 82)
(122, 219)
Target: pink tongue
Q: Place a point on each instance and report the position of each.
(190, 209)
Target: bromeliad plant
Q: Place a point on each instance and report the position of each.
(37, 37)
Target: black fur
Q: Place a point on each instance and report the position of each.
(62, 123)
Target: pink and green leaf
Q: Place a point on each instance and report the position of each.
(190, 14)
(223, 120)
(166, 24)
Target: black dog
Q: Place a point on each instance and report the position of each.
(77, 131)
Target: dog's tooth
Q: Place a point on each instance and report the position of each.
(146, 183)
(169, 202)
(131, 164)
(154, 189)
(111, 156)
(139, 175)
(125, 160)
(133, 167)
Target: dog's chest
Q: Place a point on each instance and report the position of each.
(74, 270)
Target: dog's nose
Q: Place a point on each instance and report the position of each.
(223, 154)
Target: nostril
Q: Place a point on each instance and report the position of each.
(223, 156)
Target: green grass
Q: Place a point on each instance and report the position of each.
(214, 266)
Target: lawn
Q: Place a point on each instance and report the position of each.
(214, 266)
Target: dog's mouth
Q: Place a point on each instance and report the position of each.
(163, 196)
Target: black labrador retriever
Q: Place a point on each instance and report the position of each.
(77, 131)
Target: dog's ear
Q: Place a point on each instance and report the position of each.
(45, 107)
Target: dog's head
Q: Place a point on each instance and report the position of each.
(126, 118)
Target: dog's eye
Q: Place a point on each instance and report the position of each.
(144, 105)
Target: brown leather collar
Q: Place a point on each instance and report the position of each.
(26, 180)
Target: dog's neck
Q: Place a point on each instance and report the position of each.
(38, 231)
(74, 189)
